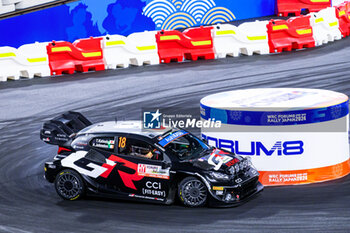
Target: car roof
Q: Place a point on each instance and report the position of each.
(134, 127)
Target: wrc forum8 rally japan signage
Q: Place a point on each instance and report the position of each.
(294, 136)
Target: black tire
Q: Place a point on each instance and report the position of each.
(192, 192)
(69, 185)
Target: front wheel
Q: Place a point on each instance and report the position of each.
(69, 185)
(192, 192)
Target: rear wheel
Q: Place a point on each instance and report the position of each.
(69, 185)
(192, 192)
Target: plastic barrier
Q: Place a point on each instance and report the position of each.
(285, 7)
(8, 59)
(28, 61)
(30, 3)
(143, 45)
(203, 42)
(248, 38)
(9, 2)
(337, 2)
(192, 44)
(5, 8)
(325, 26)
(343, 15)
(294, 33)
(38, 60)
(114, 51)
(82, 56)
(136, 49)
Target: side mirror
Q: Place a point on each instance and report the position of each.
(165, 165)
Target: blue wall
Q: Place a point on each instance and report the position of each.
(86, 18)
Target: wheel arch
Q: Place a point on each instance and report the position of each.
(61, 168)
(183, 174)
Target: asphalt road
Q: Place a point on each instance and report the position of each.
(29, 204)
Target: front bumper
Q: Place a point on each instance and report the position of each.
(242, 196)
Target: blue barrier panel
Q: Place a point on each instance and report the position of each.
(86, 18)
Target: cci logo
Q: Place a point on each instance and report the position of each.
(258, 148)
(152, 120)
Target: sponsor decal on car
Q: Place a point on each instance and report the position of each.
(152, 171)
(219, 192)
(154, 189)
(146, 197)
(232, 162)
(165, 141)
(218, 157)
(103, 143)
(78, 162)
(239, 180)
(61, 139)
(127, 178)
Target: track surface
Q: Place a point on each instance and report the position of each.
(29, 204)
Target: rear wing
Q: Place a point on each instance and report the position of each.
(62, 129)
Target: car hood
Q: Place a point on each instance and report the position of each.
(216, 160)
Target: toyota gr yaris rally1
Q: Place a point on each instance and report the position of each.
(123, 160)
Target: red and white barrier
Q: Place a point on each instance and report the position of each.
(9, 2)
(325, 26)
(30, 3)
(28, 61)
(225, 42)
(294, 33)
(286, 7)
(82, 56)
(337, 2)
(247, 38)
(143, 47)
(191, 44)
(343, 15)
(10, 64)
(115, 53)
(260, 37)
(136, 49)
(37, 56)
(6, 8)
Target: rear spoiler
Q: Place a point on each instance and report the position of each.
(62, 129)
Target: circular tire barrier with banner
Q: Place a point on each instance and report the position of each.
(293, 135)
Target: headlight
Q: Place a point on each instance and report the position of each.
(245, 163)
(232, 170)
(219, 176)
(249, 161)
(237, 168)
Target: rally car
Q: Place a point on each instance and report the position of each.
(123, 160)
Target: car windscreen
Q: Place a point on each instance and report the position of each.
(183, 144)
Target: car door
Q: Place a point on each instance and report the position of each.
(102, 149)
(141, 169)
